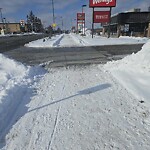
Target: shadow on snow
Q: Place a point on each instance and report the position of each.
(83, 92)
(19, 109)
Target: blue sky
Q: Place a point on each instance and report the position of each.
(15, 10)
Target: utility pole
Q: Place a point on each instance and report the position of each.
(1, 14)
(53, 25)
(53, 11)
(62, 23)
(2, 18)
(109, 28)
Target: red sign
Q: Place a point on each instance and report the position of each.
(102, 3)
(80, 16)
(101, 16)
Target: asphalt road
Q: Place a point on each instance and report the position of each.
(58, 57)
(15, 41)
(13, 47)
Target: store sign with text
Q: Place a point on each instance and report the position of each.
(22, 23)
(101, 16)
(80, 26)
(80, 16)
(102, 3)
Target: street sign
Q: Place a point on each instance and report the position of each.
(102, 3)
(81, 21)
(54, 25)
(101, 16)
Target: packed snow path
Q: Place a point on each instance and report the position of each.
(67, 41)
(81, 108)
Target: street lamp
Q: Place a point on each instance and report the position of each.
(62, 22)
(82, 20)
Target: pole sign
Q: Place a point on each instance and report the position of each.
(80, 16)
(80, 21)
(101, 16)
(22, 23)
(102, 3)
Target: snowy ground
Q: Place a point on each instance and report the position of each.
(71, 40)
(22, 34)
(76, 108)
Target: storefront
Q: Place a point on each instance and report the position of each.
(130, 23)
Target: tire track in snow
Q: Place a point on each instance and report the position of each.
(35, 122)
(34, 127)
(56, 121)
(55, 126)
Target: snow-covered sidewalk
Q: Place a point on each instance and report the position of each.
(81, 108)
(76, 108)
(68, 41)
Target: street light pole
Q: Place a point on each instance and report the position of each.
(62, 23)
(82, 20)
(1, 15)
(4, 21)
(53, 11)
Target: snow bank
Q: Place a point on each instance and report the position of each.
(77, 40)
(15, 87)
(134, 72)
(46, 42)
(99, 40)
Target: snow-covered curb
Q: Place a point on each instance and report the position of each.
(46, 42)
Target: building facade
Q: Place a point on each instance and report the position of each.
(13, 27)
(130, 23)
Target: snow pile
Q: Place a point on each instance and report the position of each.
(88, 32)
(11, 73)
(134, 72)
(15, 87)
(99, 40)
(46, 42)
(133, 38)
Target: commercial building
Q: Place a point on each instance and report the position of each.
(132, 22)
(13, 27)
